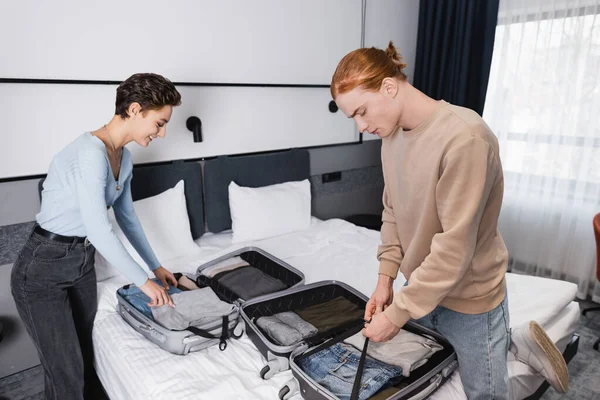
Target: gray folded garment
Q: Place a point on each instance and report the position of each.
(286, 328)
(192, 308)
(225, 265)
(186, 283)
(405, 350)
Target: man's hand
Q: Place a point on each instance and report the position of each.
(381, 298)
(380, 329)
(163, 275)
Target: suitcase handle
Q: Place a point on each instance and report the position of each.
(435, 383)
(141, 324)
(207, 335)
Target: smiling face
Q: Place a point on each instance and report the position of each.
(374, 111)
(146, 126)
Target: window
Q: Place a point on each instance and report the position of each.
(543, 97)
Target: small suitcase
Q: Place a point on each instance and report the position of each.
(198, 338)
(419, 385)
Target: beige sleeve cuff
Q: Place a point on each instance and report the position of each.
(398, 316)
(388, 268)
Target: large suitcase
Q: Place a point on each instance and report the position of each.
(200, 337)
(420, 384)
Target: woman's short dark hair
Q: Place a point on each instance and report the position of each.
(150, 91)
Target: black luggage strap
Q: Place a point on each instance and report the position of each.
(359, 371)
(361, 364)
(205, 334)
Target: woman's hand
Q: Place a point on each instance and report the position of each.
(158, 294)
(381, 298)
(163, 275)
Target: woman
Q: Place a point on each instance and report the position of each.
(442, 198)
(53, 280)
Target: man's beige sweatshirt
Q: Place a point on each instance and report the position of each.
(442, 197)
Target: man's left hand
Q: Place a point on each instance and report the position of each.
(380, 329)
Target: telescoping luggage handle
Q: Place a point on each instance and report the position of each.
(205, 334)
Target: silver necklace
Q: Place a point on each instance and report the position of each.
(115, 153)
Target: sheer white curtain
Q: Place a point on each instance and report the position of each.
(543, 103)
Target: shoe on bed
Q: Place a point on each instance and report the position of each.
(532, 346)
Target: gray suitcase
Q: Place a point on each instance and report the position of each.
(420, 385)
(201, 337)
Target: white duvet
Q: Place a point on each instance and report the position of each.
(130, 367)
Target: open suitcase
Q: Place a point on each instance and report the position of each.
(419, 385)
(200, 337)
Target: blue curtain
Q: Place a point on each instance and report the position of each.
(454, 50)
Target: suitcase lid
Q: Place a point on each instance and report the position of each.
(248, 309)
(258, 258)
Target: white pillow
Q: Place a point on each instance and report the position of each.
(165, 222)
(259, 213)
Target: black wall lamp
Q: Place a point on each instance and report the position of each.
(333, 107)
(195, 125)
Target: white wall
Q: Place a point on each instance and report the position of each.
(385, 20)
(258, 41)
(265, 41)
(41, 119)
(398, 21)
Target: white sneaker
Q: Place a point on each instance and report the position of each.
(533, 347)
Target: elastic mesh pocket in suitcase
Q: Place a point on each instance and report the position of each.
(307, 298)
(256, 260)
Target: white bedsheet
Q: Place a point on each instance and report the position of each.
(132, 368)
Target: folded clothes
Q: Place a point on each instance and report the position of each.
(192, 308)
(249, 282)
(405, 350)
(286, 328)
(139, 300)
(185, 283)
(335, 369)
(331, 314)
(225, 265)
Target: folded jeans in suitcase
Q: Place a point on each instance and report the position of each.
(372, 379)
(336, 368)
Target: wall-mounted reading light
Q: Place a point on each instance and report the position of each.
(333, 107)
(195, 125)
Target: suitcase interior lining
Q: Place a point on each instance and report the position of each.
(302, 299)
(256, 260)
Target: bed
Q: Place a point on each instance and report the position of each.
(132, 368)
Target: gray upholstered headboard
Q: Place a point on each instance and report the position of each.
(151, 180)
(251, 171)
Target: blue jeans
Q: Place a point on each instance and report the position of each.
(54, 287)
(481, 342)
(139, 300)
(335, 368)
